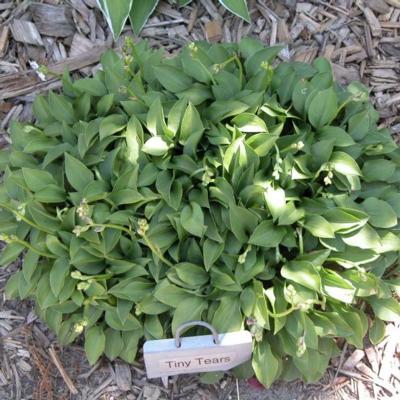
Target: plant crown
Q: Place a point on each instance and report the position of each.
(215, 185)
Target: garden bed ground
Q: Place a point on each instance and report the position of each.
(362, 41)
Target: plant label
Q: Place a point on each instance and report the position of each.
(196, 354)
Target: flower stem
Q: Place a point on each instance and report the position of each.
(239, 64)
(283, 313)
(156, 251)
(34, 249)
(113, 226)
(23, 218)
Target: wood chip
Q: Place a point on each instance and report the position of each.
(53, 20)
(370, 352)
(388, 360)
(82, 8)
(80, 45)
(214, 31)
(123, 376)
(283, 32)
(61, 370)
(379, 6)
(353, 360)
(211, 9)
(12, 85)
(26, 32)
(373, 22)
(4, 39)
(394, 3)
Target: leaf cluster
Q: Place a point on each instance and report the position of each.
(216, 185)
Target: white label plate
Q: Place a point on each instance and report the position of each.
(196, 354)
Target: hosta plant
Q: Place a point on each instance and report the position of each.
(217, 185)
(118, 12)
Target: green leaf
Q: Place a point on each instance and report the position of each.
(61, 109)
(134, 137)
(155, 146)
(381, 214)
(155, 118)
(191, 274)
(95, 342)
(253, 63)
(344, 164)
(385, 309)
(191, 309)
(323, 108)
(247, 301)
(152, 326)
(30, 264)
(114, 343)
(340, 137)
(58, 273)
(290, 214)
(105, 103)
(319, 226)
(131, 340)
(192, 219)
(276, 201)
(365, 238)
(37, 179)
(10, 253)
(303, 273)
(210, 378)
(170, 294)
(112, 319)
(192, 127)
(249, 123)
(92, 86)
(265, 363)
(262, 143)
(378, 170)
(267, 234)
(126, 196)
(359, 125)
(345, 220)
(50, 194)
(112, 124)
(335, 286)
(377, 331)
(211, 252)
(140, 12)
(227, 317)
(242, 222)
(116, 13)
(173, 79)
(78, 175)
(237, 7)
(131, 290)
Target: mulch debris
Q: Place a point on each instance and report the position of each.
(360, 38)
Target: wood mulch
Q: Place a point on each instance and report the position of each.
(362, 40)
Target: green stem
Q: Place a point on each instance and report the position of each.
(156, 251)
(137, 57)
(293, 308)
(23, 218)
(118, 227)
(239, 64)
(283, 313)
(207, 71)
(228, 61)
(344, 104)
(34, 249)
